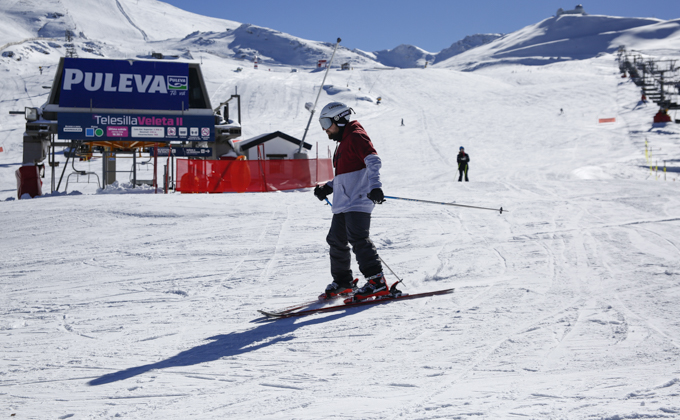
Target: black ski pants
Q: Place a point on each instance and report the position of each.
(352, 228)
(462, 170)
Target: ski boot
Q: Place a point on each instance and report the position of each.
(334, 289)
(374, 288)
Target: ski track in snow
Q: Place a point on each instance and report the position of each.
(122, 11)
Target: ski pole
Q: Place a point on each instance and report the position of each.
(391, 271)
(379, 257)
(302, 143)
(446, 204)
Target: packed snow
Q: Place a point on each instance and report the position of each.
(122, 303)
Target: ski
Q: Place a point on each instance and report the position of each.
(322, 298)
(278, 313)
(370, 301)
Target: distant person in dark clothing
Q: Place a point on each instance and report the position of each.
(463, 160)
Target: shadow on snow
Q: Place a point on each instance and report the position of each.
(225, 345)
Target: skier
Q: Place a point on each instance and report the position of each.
(662, 116)
(463, 160)
(357, 181)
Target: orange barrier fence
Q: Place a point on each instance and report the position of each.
(221, 176)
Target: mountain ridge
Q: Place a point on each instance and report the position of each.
(127, 32)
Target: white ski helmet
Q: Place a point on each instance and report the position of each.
(334, 112)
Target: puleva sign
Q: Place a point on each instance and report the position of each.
(123, 84)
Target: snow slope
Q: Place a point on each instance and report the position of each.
(120, 305)
(569, 37)
(115, 21)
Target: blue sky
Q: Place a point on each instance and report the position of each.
(433, 25)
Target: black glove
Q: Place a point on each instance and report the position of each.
(376, 195)
(321, 191)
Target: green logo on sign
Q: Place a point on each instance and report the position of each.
(178, 82)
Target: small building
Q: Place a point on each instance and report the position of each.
(276, 145)
(578, 10)
(321, 64)
(345, 66)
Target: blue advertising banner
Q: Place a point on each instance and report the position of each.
(133, 127)
(124, 84)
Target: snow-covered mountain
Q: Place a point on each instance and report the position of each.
(405, 56)
(570, 37)
(409, 56)
(172, 31)
(114, 21)
(128, 30)
(247, 42)
(465, 44)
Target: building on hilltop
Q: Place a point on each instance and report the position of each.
(578, 10)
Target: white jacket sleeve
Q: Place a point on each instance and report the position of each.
(373, 165)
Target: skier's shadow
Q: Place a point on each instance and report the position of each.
(225, 345)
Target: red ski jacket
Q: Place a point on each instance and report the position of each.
(357, 171)
(353, 149)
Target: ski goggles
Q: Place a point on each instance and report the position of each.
(326, 123)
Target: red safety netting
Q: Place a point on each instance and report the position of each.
(220, 176)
